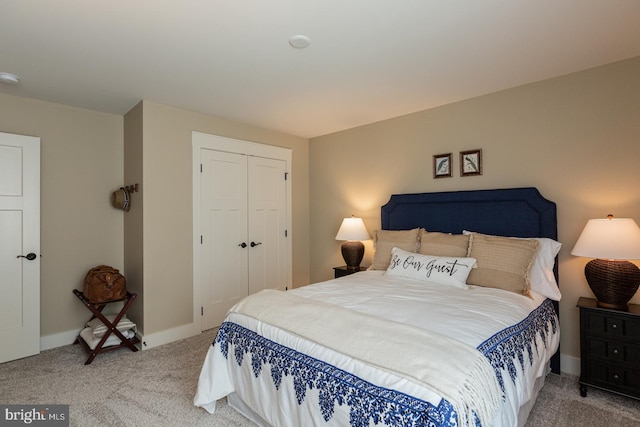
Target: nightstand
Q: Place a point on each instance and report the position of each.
(609, 348)
(343, 271)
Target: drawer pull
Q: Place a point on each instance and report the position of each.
(615, 351)
(614, 326)
(616, 377)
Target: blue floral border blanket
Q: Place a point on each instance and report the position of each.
(508, 351)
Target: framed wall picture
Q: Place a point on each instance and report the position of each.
(442, 165)
(471, 162)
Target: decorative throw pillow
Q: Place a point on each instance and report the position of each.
(443, 244)
(449, 271)
(503, 262)
(385, 240)
(99, 328)
(543, 279)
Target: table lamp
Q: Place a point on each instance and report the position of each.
(611, 242)
(353, 231)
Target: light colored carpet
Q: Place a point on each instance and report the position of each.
(559, 404)
(156, 387)
(120, 388)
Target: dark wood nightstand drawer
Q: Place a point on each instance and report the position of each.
(612, 325)
(618, 351)
(614, 377)
(609, 348)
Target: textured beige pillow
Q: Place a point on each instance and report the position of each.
(502, 262)
(443, 244)
(385, 240)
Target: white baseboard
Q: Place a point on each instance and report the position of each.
(569, 365)
(170, 335)
(48, 342)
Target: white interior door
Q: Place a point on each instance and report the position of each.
(268, 262)
(224, 247)
(19, 246)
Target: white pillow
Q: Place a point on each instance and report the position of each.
(542, 279)
(448, 271)
(99, 328)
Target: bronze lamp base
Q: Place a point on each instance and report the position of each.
(352, 252)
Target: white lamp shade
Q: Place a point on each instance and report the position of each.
(352, 229)
(610, 238)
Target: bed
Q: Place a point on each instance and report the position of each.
(424, 338)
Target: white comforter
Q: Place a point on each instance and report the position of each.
(471, 316)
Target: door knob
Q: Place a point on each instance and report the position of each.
(243, 245)
(254, 244)
(30, 256)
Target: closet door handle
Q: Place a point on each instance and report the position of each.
(254, 244)
(243, 245)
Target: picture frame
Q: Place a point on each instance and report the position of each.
(471, 162)
(442, 165)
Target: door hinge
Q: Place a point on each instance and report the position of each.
(200, 167)
(201, 311)
(286, 175)
(286, 233)
(201, 239)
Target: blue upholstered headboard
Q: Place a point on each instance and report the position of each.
(515, 212)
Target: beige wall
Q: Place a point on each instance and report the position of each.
(576, 138)
(84, 159)
(133, 220)
(167, 206)
(81, 164)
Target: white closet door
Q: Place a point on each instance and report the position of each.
(223, 198)
(268, 261)
(241, 195)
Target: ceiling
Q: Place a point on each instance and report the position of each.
(368, 60)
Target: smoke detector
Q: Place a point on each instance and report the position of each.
(8, 78)
(299, 41)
